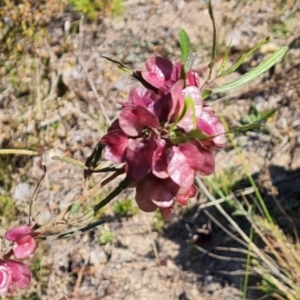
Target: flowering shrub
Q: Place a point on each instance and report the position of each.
(164, 135)
(13, 274)
(24, 243)
(149, 136)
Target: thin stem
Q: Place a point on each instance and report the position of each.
(250, 178)
(71, 232)
(122, 186)
(81, 199)
(18, 151)
(35, 192)
(214, 45)
(246, 280)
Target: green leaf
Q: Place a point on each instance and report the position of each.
(121, 187)
(258, 117)
(214, 50)
(240, 213)
(263, 67)
(265, 115)
(225, 59)
(74, 208)
(188, 104)
(195, 134)
(124, 69)
(190, 61)
(94, 159)
(70, 161)
(206, 93)
(184, 46)
(244, 57)
(72, 232)
(245, 128)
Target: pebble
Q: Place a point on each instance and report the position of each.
(209, 283)
(22, 191)
(97, 256)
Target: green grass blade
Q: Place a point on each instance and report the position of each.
(248, 174)
(214, 50)
(195, 134)
(122, 186)
(263, 67)
(206, 93)
(69, 160)
(123, 68)
(244, 57)
(246, 278)
(18, 151)
(190, 61)
(245, 128)
(74, 208)
(225, 60)
(188, 104)
(184, 45)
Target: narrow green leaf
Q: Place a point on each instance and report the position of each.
(245, 128)
(240, 213)
(206, 93)
(214, 50)
(184, 45)
(195, 134)
(244, 57)
(265, 115)
(188, 104)
(258, 117)
(72, 232)
(190, 61)
(225, 59)
(70, 161)
(126, 70)
(74, 208)
(121, 187)
(261, 68)
(94, 159)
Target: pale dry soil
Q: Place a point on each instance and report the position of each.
(141, 263)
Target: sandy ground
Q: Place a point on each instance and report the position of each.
(139, 262)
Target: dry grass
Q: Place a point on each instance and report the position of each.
(46, 108)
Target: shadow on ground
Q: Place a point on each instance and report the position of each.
(216, 257)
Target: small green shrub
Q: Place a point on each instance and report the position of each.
(106, 237)
(7, 209)
(91, 7)
(158, 222)
(125, 208)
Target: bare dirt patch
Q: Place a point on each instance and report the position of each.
(58, 109)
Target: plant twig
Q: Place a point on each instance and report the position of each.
(18, 151)
(81, 199)
(35, 192)
(92, 85)
(214, 45)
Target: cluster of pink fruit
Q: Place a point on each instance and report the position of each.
(14, 273)
(165, 134)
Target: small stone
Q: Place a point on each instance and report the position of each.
(97, 257)
(210, 284)
(22, 191)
